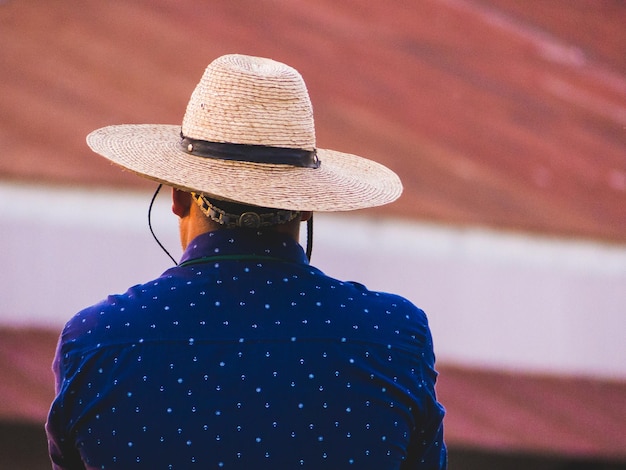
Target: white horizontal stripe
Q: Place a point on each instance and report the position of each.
(494, 299)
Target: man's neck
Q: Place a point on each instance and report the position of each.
(196, 223)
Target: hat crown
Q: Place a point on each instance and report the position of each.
(251, 100)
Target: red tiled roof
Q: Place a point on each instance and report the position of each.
(491, 410)
(515, 412)
(496, 112)
(27, 385)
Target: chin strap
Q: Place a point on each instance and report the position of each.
(309, 230)
(150, 224)
(309, 237)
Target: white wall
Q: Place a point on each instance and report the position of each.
(494, 299)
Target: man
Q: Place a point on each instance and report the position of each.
(243, 355)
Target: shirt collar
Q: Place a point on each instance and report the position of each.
(245, 242)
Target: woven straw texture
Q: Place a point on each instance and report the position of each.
(249, 100)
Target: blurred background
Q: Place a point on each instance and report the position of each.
(506, 121)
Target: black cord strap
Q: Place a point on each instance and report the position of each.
(150, 224)
(309, 237)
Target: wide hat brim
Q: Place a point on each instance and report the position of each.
(342, 182)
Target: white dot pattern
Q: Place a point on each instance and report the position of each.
(249, 359)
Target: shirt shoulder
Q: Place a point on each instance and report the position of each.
(115, 315)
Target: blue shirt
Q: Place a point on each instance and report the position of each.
(245, 356)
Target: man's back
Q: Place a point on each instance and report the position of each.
(247, 357)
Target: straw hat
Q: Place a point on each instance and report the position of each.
(248, 136)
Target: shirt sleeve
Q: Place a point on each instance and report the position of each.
(427, 447)
(435, 457)
(63, 454)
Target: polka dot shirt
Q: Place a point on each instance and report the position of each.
(245, 356)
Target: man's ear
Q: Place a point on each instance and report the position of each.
(305, 215)
(181, 202)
